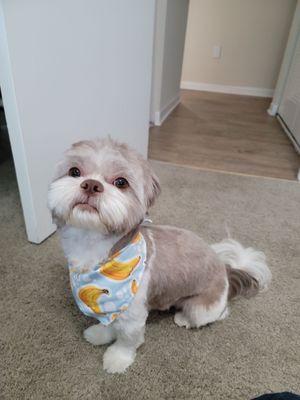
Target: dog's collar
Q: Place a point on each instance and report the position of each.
(126, 239)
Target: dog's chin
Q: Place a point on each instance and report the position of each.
(86, 216)
(85, 207)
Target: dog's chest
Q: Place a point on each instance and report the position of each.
(84, 248)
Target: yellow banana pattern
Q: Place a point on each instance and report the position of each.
(90, 295)
(119, 270)
(134, 287)
(106, 291)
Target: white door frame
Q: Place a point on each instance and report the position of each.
(286, 63)
(16, 139)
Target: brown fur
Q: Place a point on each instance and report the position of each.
(241, 283)
(185, 267)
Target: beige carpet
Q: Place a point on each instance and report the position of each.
(255, 350)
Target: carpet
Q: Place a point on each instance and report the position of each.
(255, 350)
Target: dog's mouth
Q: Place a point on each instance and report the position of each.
(86, 207)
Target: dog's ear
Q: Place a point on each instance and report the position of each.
(152, 188)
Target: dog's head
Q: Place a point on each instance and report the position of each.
(102, 185)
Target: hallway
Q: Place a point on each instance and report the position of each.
(225, 132)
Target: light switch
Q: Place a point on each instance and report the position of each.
(217, 51)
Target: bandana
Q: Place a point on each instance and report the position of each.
(106, 291)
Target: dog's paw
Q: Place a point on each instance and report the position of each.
(181, 320)
(224, 314)
(98, 334)
(117, 359)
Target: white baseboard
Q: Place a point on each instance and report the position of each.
(160, 116)
(289, 134)
(243, 90)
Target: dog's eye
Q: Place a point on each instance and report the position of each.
(74, 172)
(121, 183)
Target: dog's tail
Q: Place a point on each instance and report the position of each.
(247, 270)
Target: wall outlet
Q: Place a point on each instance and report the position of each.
(217, 51)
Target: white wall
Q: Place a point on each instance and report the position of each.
(253, 35)
(71, 69)
(170, 27)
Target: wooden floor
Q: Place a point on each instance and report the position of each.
(224, 132)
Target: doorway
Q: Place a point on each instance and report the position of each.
(230, 70)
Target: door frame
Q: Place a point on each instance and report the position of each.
(16, 139)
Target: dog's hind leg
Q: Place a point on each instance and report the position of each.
(202, 309)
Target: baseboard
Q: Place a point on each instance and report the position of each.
(243, 90)
(160, 116)
(289, 134)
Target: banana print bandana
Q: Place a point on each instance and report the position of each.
(108, 289)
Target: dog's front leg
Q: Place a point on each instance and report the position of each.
(120, 355)
(99, 334)
(129, 330)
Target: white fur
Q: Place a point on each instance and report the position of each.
(129, 329)
(112, 205)
(248, 259)
(197, 316)
(84, 246)
(99, 334)
(117, 358)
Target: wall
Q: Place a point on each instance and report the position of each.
(253, 35)
(170, 27)
(70, 70)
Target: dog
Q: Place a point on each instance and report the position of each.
(122, 266)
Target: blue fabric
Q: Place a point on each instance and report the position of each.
(106, 291)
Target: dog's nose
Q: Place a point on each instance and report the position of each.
(91, 186)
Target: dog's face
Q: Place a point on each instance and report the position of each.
(102, 185)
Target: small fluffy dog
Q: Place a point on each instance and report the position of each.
(121, 266)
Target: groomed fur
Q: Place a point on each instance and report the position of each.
(103, 160)
(247, 270)
(241, 283)
(181, 269)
